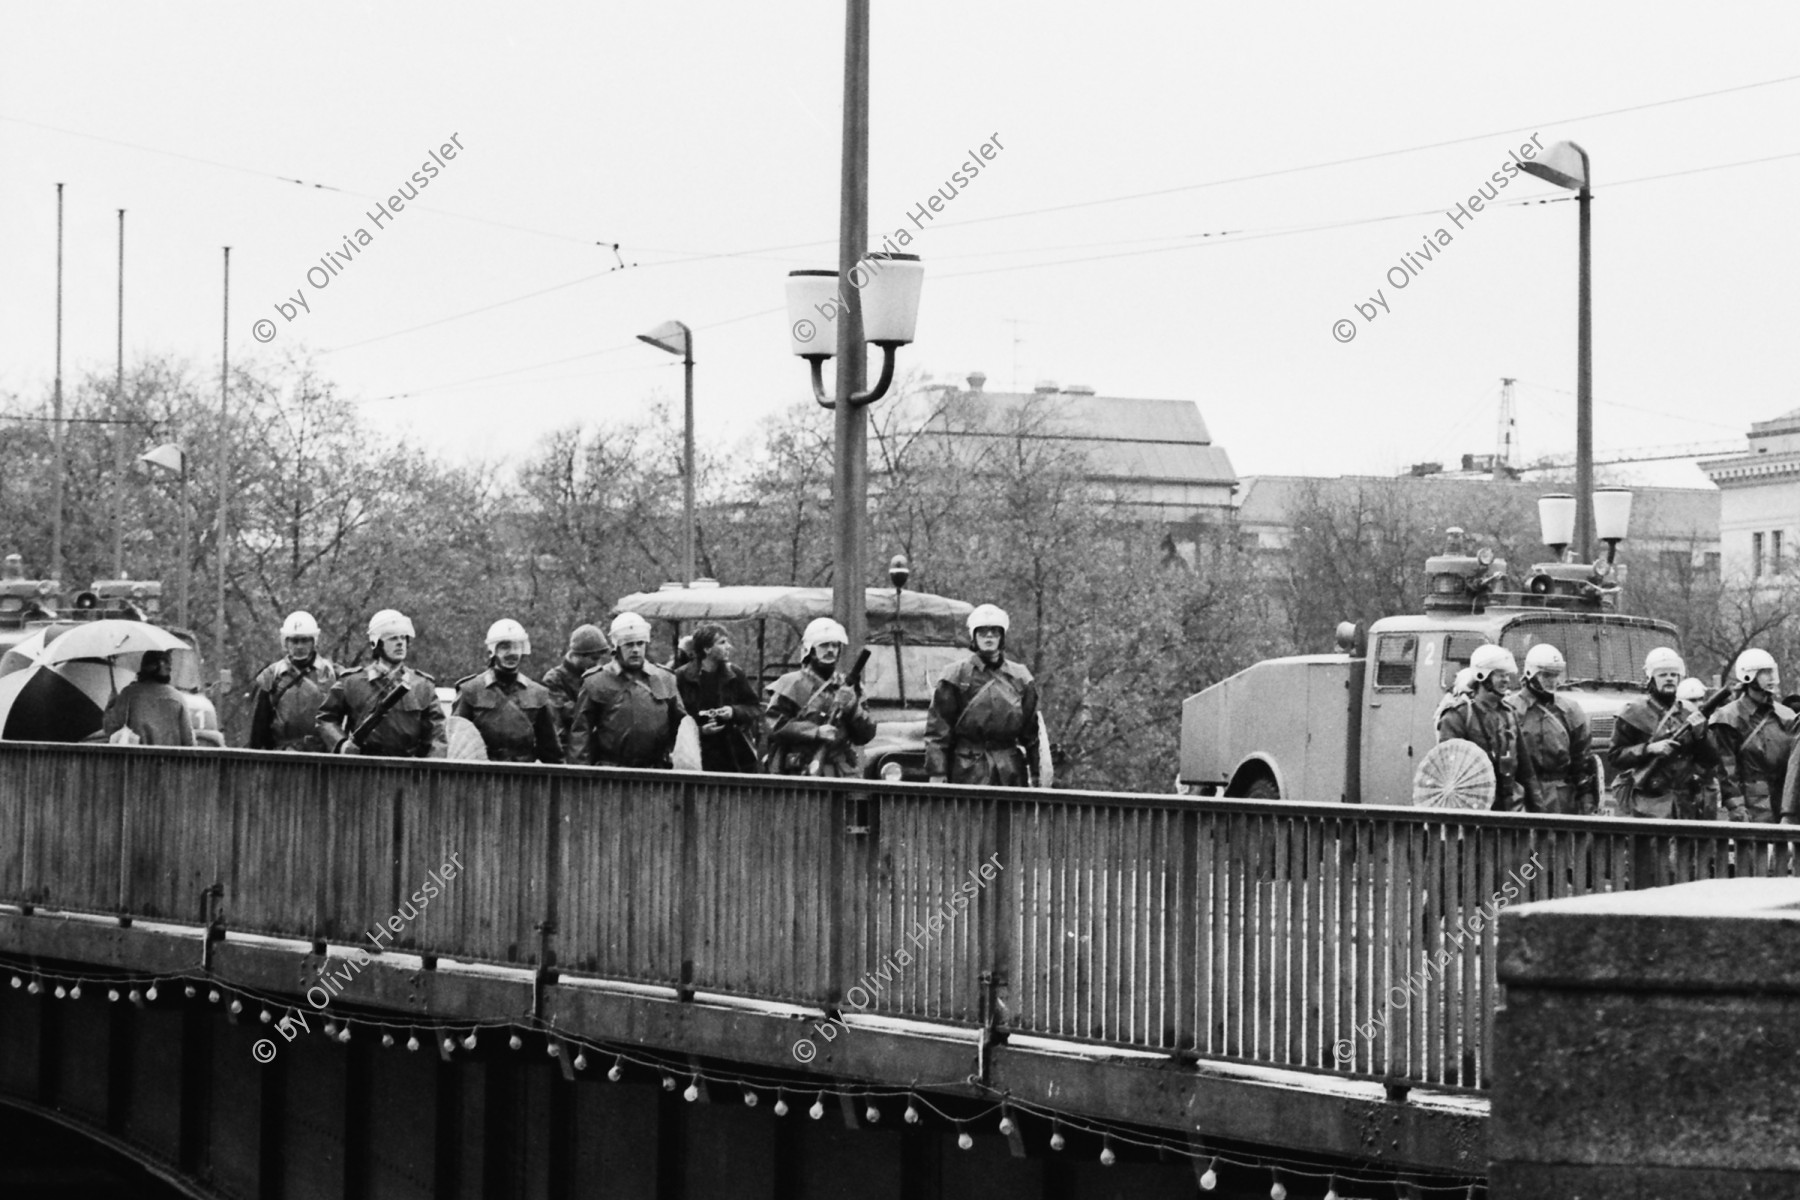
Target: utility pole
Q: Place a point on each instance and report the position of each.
(118, 430)
(56, 412)
(222, 454)
(851, 492)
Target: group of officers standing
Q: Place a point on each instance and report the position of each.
(606, 704)
(1676, 752)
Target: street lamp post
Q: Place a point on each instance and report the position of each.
(172, 458)
(1566, 165)
(869, 298)
(677, 338)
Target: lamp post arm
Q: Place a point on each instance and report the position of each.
(881, 385)
(817, 362)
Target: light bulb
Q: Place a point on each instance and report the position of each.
(691, 1093)
(136, 996)
(668, 1083)
(267, 1016)
(237, 1006)
(34, 989)
(412, 1043)
(872, 1115)
(189, 991)
(449, 1045)
(344, 1033)
(387, 1041)
(61, 991)
(469, 1042)
(964, 1141)
(111, 993)
(617, 1071)
(780, 1106)
(151, 994)
(750, 1098)
(1107, 1157)
(553, 1049)
(1331, 1192)
(912, 1115)
(331, 1029)
(75, 992)
(1277, 1191)
(1209, 1179)
(817, 1110)
(212, 997)
(580, 1061)
(1007, 1127)
(17, 982)
(1056, 1140)
(516, 1042)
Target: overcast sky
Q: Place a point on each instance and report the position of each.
(704, 139)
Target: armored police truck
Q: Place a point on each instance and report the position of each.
(1351, 726)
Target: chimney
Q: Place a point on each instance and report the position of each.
(976, 379)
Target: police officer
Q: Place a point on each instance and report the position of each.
(587, 646)
(1662, 758)
(510, 710)
(983, 723)
(289, 690)
(1753, 736)
(629, 710)
(816, 719)
(387, 708)
(1484, 718)
(1555, 737)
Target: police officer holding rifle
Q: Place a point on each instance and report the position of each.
(816, 717)
(387, 708)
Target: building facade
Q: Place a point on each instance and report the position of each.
(1759, 512)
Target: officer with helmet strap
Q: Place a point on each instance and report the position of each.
(1484, 718)
(816, 720)
(290, 690)
(587, 646)
(1753, 736)
(1662, 759)
(1555, 738)
(630, 710)
(510, 710)
(983, 723)
(386, 708)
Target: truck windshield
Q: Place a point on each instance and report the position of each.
(923, 665)
(1595, 653)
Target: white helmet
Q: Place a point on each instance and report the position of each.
(1490, 658)
(819, 631)
(1690, 691)
(989, 616)
(1663, 659)
(508, 630)
(1544, 657)
(388, 622)
(1752, 661)
(299, 624)
(629, 627)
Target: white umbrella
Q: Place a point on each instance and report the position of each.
(22, 654)
(109, 639)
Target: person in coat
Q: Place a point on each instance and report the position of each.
(1663, 762)
(510, 710)
(815, 717)
(1555, 738)
(289, 691)
(630, 709)
(722, 699)
(396, 703)
(1484, 718)
(587, 646)
(982, 727)
(151, 707)
(1753, 736)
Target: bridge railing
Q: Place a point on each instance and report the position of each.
(1317, 937)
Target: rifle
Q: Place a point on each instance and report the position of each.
(1684, 735)
(382, 709)
(839, 710)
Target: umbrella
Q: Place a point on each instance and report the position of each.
(61, 703)
(1454, 774)
(109, 639)
(23, 654)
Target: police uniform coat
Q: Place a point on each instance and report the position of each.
(563, 682)
(1753, 744)
(1485, 718)
(983, 724)
(1555, 736)
(513, 715)
(732, 748)
(154, 711)
(412, 728)
(286, 713)
(627, 718)
(800, 704)
(1676, 785)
